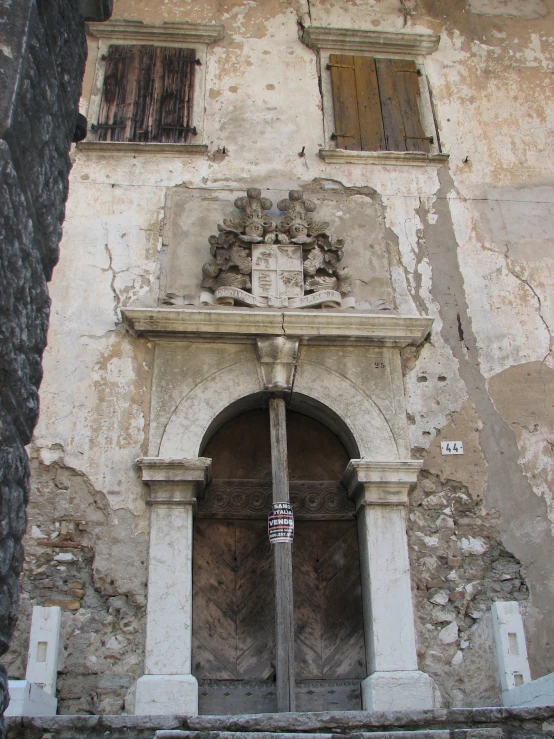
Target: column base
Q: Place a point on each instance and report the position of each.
(399, 691)
(162, 695)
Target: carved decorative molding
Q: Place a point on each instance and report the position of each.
(277, 356)
(370, 42)
(167, 33)
(252, 499)
(236, 325)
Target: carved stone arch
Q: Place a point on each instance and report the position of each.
(236, 388)
(360, 413)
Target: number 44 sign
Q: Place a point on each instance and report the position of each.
(452, 447)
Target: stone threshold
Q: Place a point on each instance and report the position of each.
(310, 326)
(455, 723)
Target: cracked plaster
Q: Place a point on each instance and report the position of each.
(476, 257)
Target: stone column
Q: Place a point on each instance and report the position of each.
(380, 491)
(168, 687)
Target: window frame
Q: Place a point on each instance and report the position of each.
(168, 35)
(379, 45)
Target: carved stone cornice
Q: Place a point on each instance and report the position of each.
(370, 42)
(244, 325)
(175, 481)
(172, 33)
(380, 483)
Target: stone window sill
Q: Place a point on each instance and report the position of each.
(414, 158)
(130, 147)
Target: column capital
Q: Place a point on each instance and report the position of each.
(175, 481)
(380, 483)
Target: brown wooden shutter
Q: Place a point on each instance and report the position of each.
(164, 95)
(118, 93)
(376, 104)
(399, 92)
(407, 89)
(345, 102)
(147, 94)
(140, 125)
(369, 109)
(175, 105)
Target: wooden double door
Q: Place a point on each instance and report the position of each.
(233, 585)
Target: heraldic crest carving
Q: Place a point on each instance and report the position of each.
(290, 263)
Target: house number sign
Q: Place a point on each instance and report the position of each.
(280, 524)
(452, 447)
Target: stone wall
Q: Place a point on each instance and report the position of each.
(42, 60)
(469, 243)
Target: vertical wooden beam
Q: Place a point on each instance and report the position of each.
(282, 558)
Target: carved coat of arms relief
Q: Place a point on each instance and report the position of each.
(277, 272)
(260, 262)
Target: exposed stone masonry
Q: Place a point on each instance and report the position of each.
(99, 584)
(459, 567)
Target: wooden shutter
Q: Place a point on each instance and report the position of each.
(376, 104)
(399, 92)
(118, 94)
(345, 102)
(164, 95)
(147, 94)
(175, 106)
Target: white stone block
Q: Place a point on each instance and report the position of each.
(399, 691)
(169, 612)
(27, 699)
(511, 650)
(44, 644)
(159, 695)
(536, 693)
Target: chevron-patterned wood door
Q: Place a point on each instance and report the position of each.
(329, 636)
(233, 602)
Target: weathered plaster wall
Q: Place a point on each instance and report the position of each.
(469, 244)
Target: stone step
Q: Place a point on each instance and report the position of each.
(456, 723)
(417, 734)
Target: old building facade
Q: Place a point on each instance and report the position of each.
(343, 209)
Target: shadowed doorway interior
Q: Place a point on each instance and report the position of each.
(233, 599)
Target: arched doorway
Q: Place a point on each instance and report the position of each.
(233, 600)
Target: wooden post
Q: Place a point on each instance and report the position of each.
(282, 559)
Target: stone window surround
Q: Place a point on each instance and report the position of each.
(187, 35)
(389, 45)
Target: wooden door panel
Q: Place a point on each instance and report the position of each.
(213, 637)
(233, 602)
(329, 636)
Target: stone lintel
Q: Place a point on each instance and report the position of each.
(376, 43)
(172, 33)
(380, 483)
(324, 327)
(175, 481)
